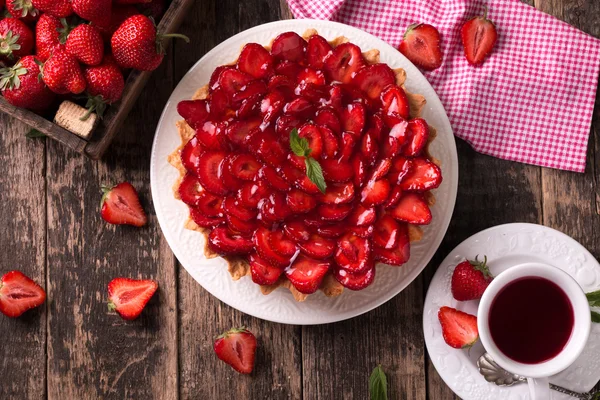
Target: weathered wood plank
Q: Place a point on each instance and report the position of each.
(93, 353)
(23, 247)
(277, 374)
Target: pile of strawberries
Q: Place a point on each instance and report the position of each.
(72, 47)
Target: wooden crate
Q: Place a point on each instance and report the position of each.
(107, 128)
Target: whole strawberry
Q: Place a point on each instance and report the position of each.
(16, 39)
(23, 10)
(137, 45)
(63, 74)
(50, 33)
(96, 11)
(85, 44)
(470, 279)
(58, 8)
(22, 87)
(105, 85)
(154, 9)
(117, 17)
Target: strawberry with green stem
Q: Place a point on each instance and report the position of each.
(50, 33)
(62, 73)
(23, 10)
(105, 84)
(470, 279)
(128, 297)
(16, 39)
(57, 8)
(22, 87)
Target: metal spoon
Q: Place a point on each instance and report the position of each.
(497, 375)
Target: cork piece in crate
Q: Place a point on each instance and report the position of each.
(69, 116)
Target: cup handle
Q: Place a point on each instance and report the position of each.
(539, 388)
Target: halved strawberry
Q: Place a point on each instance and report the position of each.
(353, 118)
(289, 46)
(369, 148)
(300, 108)
(195, 112)
(361, 216)
(372, 79)
(330, 142)
(284, 126)
(327, 116)
(386, 233)
(283, 84)
(203, 220)
(418, 133)
(332, 231)
(296, 230)
(421, 45)
(401, 166)
(232, 206)
(359, 168)
(237, 347)
(281, 244)
(397, 255)
(315, 142)
(479, 37)
(271, 106)
(459, 329)
(272, 178)
(394, 100)
(208, 172)
(338, 194)
(412, 208)
(231, 81)
(334, 212)
(300, 202)
(255, 60)
(343, 62)
(317, 247)
(266, 147)
(244, 166)
(262, 243)
(347, 143)
(375, 193)
(306, 274)
(262, 272)
(424, 175)
(190, 154)
(190, 190)
(336, 170)
(353, 281)
(365, 231)
(210, 205)
(18, 293)
(251, 193)
(353, 253)
(222, 241)
(121, 205)
(237, 225)
(317, 49)
(129, 297)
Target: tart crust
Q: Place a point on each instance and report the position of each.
(239, 267)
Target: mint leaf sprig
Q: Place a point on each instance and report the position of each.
(378, 384)
(594, 300)
(301, 148)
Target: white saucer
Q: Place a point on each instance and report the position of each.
(505, 246)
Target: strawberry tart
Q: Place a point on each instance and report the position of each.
(306, 165)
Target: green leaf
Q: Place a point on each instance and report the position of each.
(594, 298)
(299, 145)
(378, 384)
(315, 173)
(34, 133)
(595, 317)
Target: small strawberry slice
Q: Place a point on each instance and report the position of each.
(347, 143)
(336, 97)
(412, 208)
(210, 135)
(289, 46)
(214, 77)
(470, 279)
(362, 216)
(394, 197)
(300, 201)
(375, 193)
(190, 154)
(249, 107)
(233, 207)
(208, 172)
(343, 62)
(424, 175)
(332, 231)
(394, 100)
(375, 126)
(203, 220)
(479, 37)
(281, 244)
(190, 190)
(309, 75)
(262, 244)
(251, 193)
(195, 112)
(317, 247)
(283, 84)
(459, 329)
(266, 147)
(381, 169)
(354, 281)
(353, 253)
(314, 221)
(237, 347)
(279, 207)
(244, 166)
(271, 106)
(210, 205)
(369, 148)
(222, 241)
(334, 212)
(418, 133)
(372, 79)
(386, 234)
(317, 49)
(289, 69)
(398, 127)
(262, 272)
(232, 81)
(353, 118)
(330, 142)
(239, 132)
(327, 117)
(284, 126)
(272, 178)
(421, 45)
(338, 194)
(296, 230)
(220, 105)
(255, 60)
(129, 297)
(365, 231)
(306, 274)
(237, 225)
(401, 166)
(359, 168)
(315, 141)
(229, 181)
(121, 205)
(390, 147)
(299, 108)
(252, 89)
(18, 293)
(336, 170)
(305, 184)
(400, 253)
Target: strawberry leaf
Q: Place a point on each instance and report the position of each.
(378, 384)
(315, 173)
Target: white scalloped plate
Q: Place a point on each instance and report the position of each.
(243, 294)
(505, 246)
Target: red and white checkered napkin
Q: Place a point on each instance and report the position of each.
(531, 101)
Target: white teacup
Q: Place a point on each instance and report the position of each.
(538, 374)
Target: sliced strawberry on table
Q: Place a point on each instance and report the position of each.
(273, 179)
(289, 46)
(334, 212)
(306, 274)
(262, 244)
(210, 205)
(328, 117)
(317, 247)
(394, 100)
(338, 194)
(195, 112)
(239, 132)
(336, 170)
(354, 281)
(128, 297)
(237, 347)
(372, 79)
(262, 272)
(353, 253)
(479, 37)
(281, 244)
(317, 49)
(412, 208)
(255, 60)
(424, 175)
(418, 133)
(421, 45)
(232, 81)
(300, 201)
(203, 220)
(233, 207)
(222, 241)
(387, 232)
(362, 215)
(353, 118)
(343, 62)
(400, 253)
(121, 205)
(244, 166)
(208, 172)
(375, 193)
(296, 230)
(18, 293)
(470, 279)
(459, 329)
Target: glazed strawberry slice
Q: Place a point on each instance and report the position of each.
(397, 255)
(210, 205)
(336, 97)
(401, 166)
(338, 194)
(233, 207)
(232, 81)
(386, 232)
(332, 231)
(251, 193)
(296, 230)
(306, 274)
(237, 347)
(121, 205)
(394, 100)
(190, 154)
(210, 135)
(203, 220)
(381, 169)
(190, 190)
(214, 78)
(354, 281)
(284, 126)
(353, 253)
(266, 147)
(305, 184)
(289, 46)
(365, 231)
(314, 221)
(272, 178)
(424, 175)
(372, 79)
(231, 182)
(281, 244)
(317, 49)
(369, 148)
(330, 142)
(412, 208)
(195, 112)
(398, 127)
(418, 133)
(421, 45)
(251, 90)
(18, 293)
(220, 105)
(237, 225)
(353, 118)
(390, 147)
(309, 75)
(222, 241)
(255, 60)
(208, 172)
(291, 173)
(359, 168)
(271, 106)
(244, 166)
(315, 141)
(129, 297)
(280, 208)
(300, 201)
(334, 212)
(459, 329)
(262, 272)
(327, 117)
(262, 244)
(317, 247)
(283, 84)
(394, 197)
(375, 193)
(343, 62)
(362, 216)
(299, 108)
(336, 170)
(249, 107)
(347, 143)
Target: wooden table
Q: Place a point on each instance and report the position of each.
(73, 348)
